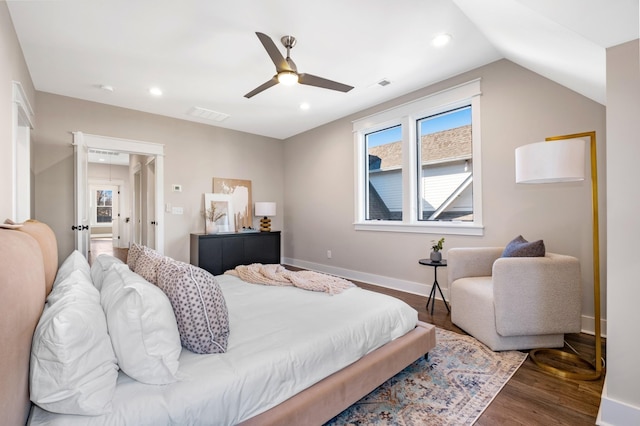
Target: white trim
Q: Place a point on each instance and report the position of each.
(21, 125)
(20, 98)
(424, 105)
(406, 115)
(124, 145)
(135, 147)
(450, 228)
(613, 412)
(587, 326)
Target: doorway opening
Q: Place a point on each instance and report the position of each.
(136, 188)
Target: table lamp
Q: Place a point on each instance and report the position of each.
(265, 209)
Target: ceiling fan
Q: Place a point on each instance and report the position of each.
(286, 70)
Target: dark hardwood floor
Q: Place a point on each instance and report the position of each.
(99, 246)
(531, 397)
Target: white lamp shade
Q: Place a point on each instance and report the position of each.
(549, 162)
(265, 208)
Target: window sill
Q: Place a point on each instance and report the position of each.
(443, 228)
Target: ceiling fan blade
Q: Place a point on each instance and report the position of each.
(262, 87)
(312, 80)
(275, 55)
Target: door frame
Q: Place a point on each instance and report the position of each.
(22, 123)
(82, 143)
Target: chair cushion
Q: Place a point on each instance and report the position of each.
(519, 247)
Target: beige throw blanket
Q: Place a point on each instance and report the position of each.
(277, 275)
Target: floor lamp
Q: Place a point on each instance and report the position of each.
(563, 161)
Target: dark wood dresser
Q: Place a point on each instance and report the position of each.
(217, 253)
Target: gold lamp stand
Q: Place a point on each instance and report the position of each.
(593, 370)
(265, 224)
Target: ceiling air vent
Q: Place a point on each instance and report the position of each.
(100, 152)
(384, 82)
(207, 114)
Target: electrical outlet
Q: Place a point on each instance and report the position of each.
(328, 254)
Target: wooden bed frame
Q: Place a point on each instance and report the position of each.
(28, 263)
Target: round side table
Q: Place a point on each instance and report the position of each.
(432, 294)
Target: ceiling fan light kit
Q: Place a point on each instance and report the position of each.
(286, 70)
(288, 78)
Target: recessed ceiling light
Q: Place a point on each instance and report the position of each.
(155, 91)
(304, 106)
(441, 40)
(106, 87)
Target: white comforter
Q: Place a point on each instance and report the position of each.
(282, 340)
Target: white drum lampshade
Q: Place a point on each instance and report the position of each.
(549, 162)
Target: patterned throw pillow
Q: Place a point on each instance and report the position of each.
(519, 247)
(199, 306)
(147, 264)
(134, 252)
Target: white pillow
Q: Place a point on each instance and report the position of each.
(73, 366)
(100, 266)
(74, 262)
(142, 327)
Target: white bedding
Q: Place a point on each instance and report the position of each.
(282, 341)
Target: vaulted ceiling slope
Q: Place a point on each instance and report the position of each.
(204, 54)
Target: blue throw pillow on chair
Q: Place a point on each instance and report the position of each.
(519, 247)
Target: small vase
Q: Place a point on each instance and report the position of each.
(210, 227)
(436, 256)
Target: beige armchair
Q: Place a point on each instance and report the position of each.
(514, 302)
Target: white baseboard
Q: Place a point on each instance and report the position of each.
(421, 289)
(588, 326)
(616, 413)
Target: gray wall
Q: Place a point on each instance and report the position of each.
(12, 68)
(518, 107)
(194, 154)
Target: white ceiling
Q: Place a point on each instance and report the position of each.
(204, 53)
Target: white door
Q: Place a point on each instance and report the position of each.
(116, 227)
(81, 219)
(137, 207)
(151, 207)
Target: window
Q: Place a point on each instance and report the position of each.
(445, 162)
(104, 205)
(384, 188)
(418, 165)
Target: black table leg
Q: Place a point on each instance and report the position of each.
(442, 295)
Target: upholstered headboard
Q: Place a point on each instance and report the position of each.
(28, 265)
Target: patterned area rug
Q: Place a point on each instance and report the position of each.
(454, 387)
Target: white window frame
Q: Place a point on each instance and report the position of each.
(407, 115)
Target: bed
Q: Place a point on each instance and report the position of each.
(293, 360)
